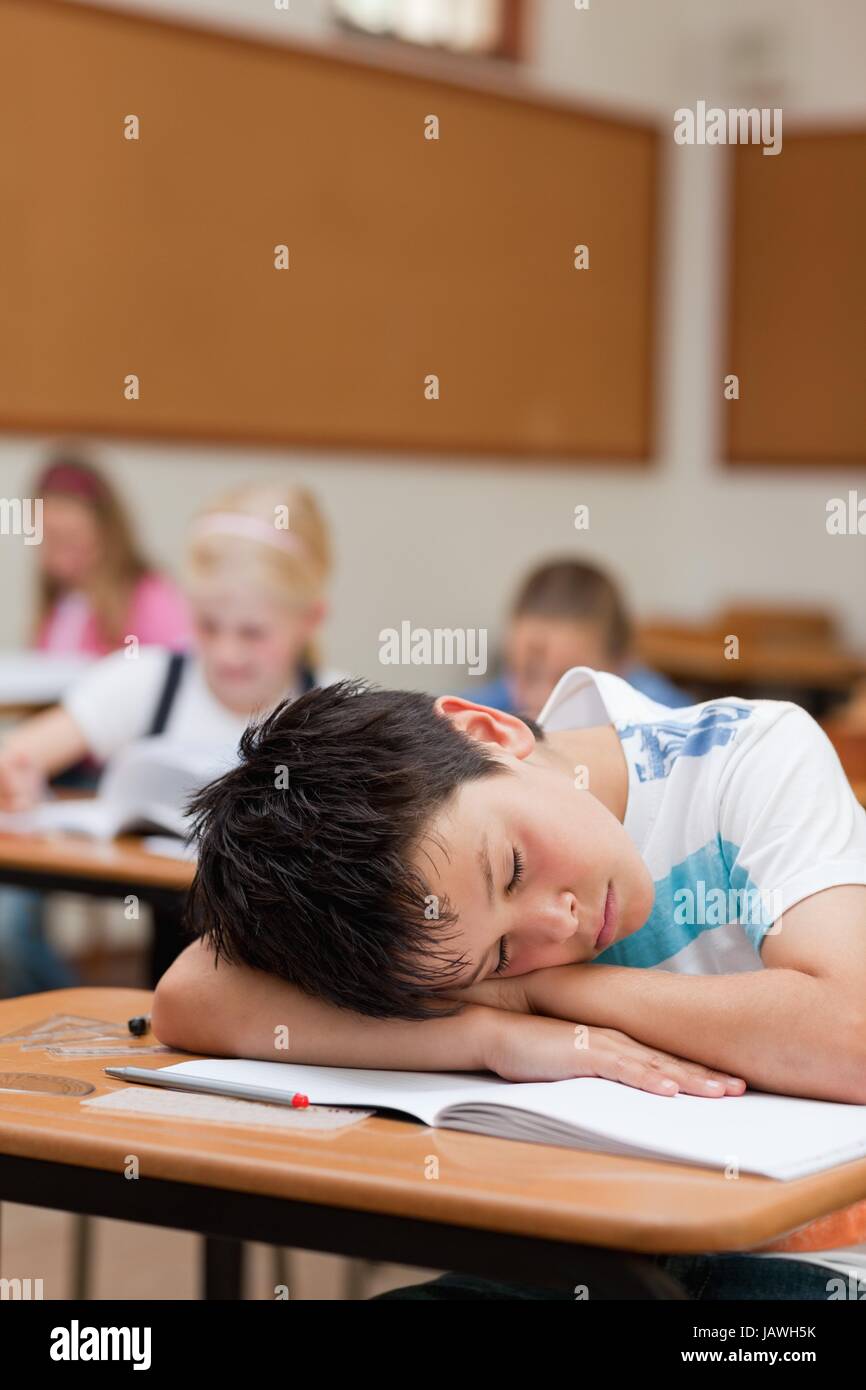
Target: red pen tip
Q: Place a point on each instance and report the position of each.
(300, 1102)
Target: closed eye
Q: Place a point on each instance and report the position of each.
(504, 957)
(516, 876)
(517, 873)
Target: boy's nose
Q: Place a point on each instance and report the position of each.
(559, 918)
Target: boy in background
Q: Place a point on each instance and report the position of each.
(567, 613)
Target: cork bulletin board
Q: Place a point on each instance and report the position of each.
(797, 306)
(408, 257)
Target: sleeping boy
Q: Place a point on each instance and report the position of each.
(427, 883)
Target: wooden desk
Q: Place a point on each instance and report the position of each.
(499, 1209)
(32, 680)
(13, 711)
(73, 864)
(812, 672)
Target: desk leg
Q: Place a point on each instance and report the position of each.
(82, 1232)
(223, 1268)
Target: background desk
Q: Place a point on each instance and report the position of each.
(31, 681)
(499, 1208)
(72, 864)
(817, 675)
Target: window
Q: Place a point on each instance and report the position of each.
(489, 28)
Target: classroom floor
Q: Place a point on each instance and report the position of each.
(140, 1262)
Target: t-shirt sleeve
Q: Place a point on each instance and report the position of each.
(789, 823)
(114, 702)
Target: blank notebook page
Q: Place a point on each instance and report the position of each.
(778, 1136)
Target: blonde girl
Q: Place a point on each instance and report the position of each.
(257, 566)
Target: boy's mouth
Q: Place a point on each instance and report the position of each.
(607, 930)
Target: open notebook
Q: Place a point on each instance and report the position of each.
(776, 1136)
(145, 787)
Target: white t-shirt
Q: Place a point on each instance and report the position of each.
(740, 809)
(114, 703)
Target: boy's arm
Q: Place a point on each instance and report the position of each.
(797, 1027)
(234, 1011)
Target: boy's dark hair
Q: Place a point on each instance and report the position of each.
(304, 848)
(573, 591)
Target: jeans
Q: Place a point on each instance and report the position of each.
(701, 1277)
(28, 963)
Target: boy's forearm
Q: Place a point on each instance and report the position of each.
(234, 1011)
(782, 1030)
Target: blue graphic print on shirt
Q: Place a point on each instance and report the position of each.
(662, 742)
(707, 889)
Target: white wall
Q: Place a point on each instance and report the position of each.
(440, 542)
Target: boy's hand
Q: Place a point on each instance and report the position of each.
(509, 993)
(22, 783)
(529, 1048)
(531, 993)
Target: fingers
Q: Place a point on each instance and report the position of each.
(731, 1085)
(695, 1079)
(8, 789)
(471, 994)
(19, 782)
(631, 1071)
(662, 1074)
(496, 994)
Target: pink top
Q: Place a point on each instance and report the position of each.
(157, 616)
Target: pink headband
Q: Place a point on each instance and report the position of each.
(251, 528)
(72, 481)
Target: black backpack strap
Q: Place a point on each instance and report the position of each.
(173, 673)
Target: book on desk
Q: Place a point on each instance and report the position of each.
(146, 788)
(778, 1137)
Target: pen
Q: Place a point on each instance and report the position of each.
(159, 1077)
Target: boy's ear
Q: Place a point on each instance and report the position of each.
(487, 725)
